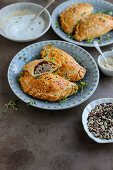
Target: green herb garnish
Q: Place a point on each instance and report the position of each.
(56, 72)
(57, 25)
(46, 58)
(64, 98)
(51, 45)
(39, 22)
(21, 74)
(53, 60)
(71, 36)
(83, 13)
(89, 40)
(19, 58)
(108, 36)
(81, 86)
(46, 52)
(31, 102)
(38, 77)
(25, 59)
(13, 104)
(78, 22)
(110, 13)
(60, 102)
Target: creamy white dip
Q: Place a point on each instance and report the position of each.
(109, 66)
(18, 27)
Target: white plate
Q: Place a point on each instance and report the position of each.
(85, 114)
(23, 7)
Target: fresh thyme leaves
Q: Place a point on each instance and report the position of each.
(75, 88)
(38, 77)
(60, 102)
(51, 63)
(18, 78)
(77, 60)
(25, 59)
(99, 42)
(110, 13)
(81, 86)
(46, 52)
(83, 13)
(31, 102)
(53, 60)
(108, 36)
(89, 40)
(51, 45)
(57, 24)
(19, 58)
(21, 74)
(46, 58)
(63, 99)
(70, 36)
(13, 104)
(78, 22)
(56, 72)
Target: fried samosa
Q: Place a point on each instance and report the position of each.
(72, 15)
(93, 26)
(70, 69)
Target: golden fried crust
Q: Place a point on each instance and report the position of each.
(93, 26)
(47, 87)
(70, 68)
(73, 13)
(30, 67)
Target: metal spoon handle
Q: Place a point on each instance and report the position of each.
(47, 5)
(98, 48)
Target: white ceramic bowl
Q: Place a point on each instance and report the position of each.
(23, 7)
(103, 70)
(85, 114)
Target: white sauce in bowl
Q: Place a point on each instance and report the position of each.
(109, 66)
(18, 27)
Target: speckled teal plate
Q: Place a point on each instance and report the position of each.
(27, 54)
(99, 6)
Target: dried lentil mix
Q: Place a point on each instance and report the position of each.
(100, 121)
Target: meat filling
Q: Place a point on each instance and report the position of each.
(42, 67)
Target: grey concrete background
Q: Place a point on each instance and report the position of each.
(36, 139)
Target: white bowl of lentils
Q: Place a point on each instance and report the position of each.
(97, 119)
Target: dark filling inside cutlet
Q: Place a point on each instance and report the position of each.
(42, 67)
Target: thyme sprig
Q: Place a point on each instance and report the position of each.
(13, 104)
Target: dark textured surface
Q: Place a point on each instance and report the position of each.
(37, 139)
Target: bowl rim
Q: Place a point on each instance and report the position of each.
(102, 68)
(84, 123)
(30, 39)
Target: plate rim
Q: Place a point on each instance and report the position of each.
(77, 42)
(55, 108)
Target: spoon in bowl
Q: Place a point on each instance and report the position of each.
(107, 65)
(38, 14)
